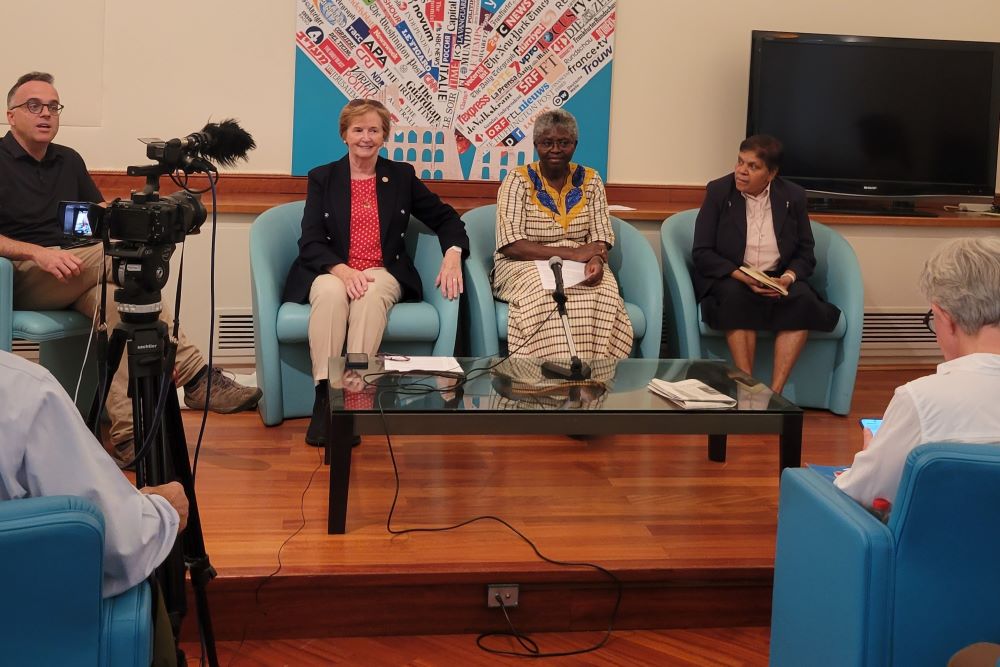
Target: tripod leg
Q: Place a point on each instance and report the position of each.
(195, 557)
(166, 460)
(108, 361)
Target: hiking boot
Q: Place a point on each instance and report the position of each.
(227, 394)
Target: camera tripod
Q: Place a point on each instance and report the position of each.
(161, 454)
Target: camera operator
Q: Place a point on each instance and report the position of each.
(35, 175)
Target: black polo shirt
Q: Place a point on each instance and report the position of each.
(30, 191)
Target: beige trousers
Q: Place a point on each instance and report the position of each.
(335, 317)
(37, 289)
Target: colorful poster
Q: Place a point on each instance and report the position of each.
(463, 79)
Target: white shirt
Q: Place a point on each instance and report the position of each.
(47, 450)
(762, 245)
(957, 404)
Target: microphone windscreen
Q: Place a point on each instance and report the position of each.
(555, 261)
(228, 142)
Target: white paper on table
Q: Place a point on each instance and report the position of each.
(620, 207)
(572, 273)
(426, 364)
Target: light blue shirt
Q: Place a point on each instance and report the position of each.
(47, 450)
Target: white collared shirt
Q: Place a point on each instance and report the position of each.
(762, 246)
(47, 450)
(956, 404)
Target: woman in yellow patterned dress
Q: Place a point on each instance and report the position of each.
(554, 207)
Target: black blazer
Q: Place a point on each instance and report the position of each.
(326, 224)
(720, 232)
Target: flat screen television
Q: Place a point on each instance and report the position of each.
(876, 116)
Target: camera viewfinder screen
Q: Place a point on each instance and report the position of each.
(76, 219)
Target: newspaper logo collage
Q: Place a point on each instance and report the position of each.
(459, 75)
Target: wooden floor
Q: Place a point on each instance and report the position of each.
(708, 647)
(692, 540)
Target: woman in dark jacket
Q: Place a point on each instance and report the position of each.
(755, 218)
(352, 264)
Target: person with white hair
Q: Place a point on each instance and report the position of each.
(958, 403)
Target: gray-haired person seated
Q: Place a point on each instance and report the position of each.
(959, 402)
(555, 207)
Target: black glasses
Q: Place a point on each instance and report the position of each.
(36, 106)
(548, 144)
(929, 321)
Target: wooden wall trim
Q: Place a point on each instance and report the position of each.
(255, 193)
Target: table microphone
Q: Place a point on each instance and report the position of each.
(578, 370)
(555, 263)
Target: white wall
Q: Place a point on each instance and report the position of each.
(128, 69)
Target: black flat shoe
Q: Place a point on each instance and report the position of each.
(320, 420)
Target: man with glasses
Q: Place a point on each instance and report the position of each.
(35, 175)
(958, 403)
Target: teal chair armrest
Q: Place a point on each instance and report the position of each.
(51, 565)
(638, 273)
(427, 258)
(127, 627)
(6, 304)
(682, 333)
(273, 245)
(833, 574)
(480, 225)
(842, 286)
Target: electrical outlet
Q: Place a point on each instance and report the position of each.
(507, 593)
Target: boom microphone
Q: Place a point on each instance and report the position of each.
(224, 142)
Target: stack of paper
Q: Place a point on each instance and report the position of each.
(691, 394)
(447, 366)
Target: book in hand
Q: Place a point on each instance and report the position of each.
(764, 279)
(691, 394)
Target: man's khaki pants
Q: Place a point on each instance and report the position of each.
(37, 289)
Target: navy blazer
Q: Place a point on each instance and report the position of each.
(326, 225)
(720, 232)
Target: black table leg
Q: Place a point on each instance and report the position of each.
(790, 442)
(717, 448)
(339, 453)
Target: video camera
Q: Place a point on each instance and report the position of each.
(140, 233)
(166, 220)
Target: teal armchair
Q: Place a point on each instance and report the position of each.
(631, 259)
(850, 591)
(824, 375)
(63, 337)
(51, 568)
(284, 370)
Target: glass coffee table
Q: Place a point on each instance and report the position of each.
(513, 396)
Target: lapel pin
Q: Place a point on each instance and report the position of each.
(385, 179)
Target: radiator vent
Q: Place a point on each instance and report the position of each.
(896, 329)
(234, 333)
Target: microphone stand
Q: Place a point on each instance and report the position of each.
(578, 369)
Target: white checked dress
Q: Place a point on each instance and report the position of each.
(597, 317)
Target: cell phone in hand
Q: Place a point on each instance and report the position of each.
(871, 423)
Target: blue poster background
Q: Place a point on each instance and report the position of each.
(316, 141)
